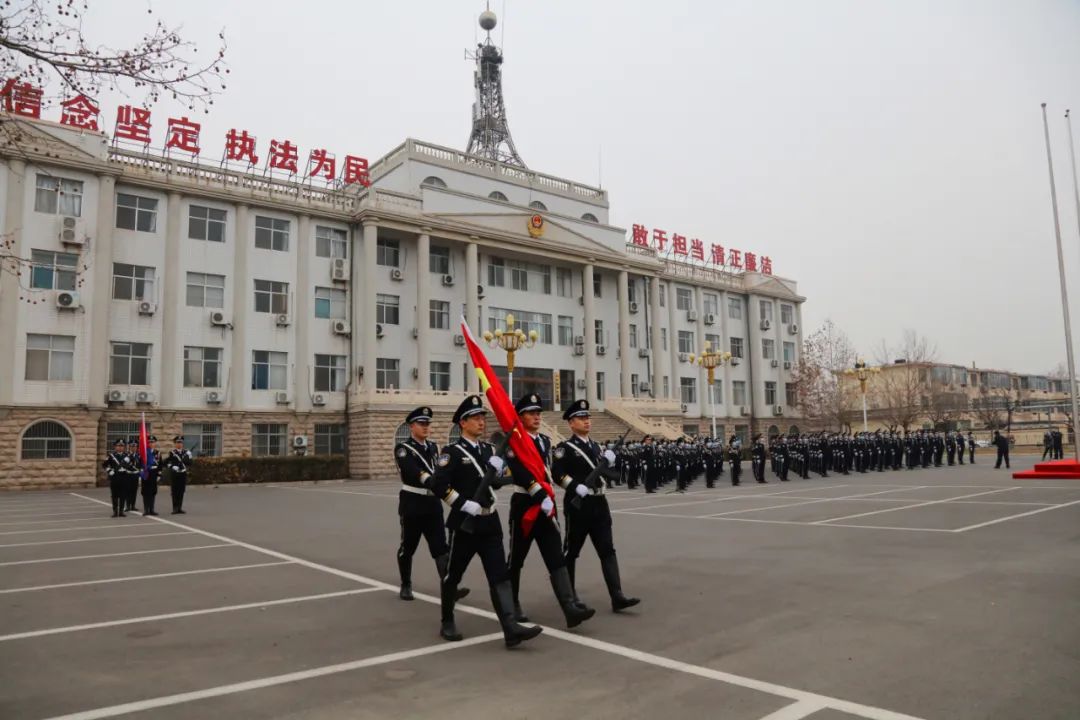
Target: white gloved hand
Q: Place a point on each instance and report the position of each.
(581, 490)
(497, 462)
(610, 457)
(547, 506)
(471, 507)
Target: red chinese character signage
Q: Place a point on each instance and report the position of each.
(80, 112)
(132, 123)
(695, 251)
(283, 155)
(239, 146)
(183, 135)
(322, 163)
(356, 170)
(22, 98)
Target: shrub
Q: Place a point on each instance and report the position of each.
(222, 470)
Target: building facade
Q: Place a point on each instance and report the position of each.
(261, 316)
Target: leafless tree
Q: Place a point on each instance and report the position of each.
(43, 42)
(904, 389)
(822, 394)
(995, 407)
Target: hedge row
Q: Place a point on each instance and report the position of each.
(223, 470)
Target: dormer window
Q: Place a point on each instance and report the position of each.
(433, 181)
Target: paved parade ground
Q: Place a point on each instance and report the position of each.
(947, 593)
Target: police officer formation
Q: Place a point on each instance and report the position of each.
(125, 471)
(464, 477)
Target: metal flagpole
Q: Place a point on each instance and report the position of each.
(1064, 291)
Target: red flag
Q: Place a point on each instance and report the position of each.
(144, 446)
(503, 408)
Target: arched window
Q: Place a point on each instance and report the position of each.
(46, 440)
(455, 434)
(589, 217)
(773, 431)
(433, 181)
(793, 430)
(537, 205)
(401, 434)
(496, 195)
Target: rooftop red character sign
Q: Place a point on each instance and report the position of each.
(355, 170)
(22, 98)
(678, 244)
(240, 146)
(717, 254)
(183, 135)
(697, 249)
(80, 112)
(283, 155)
(640, 235)
(324, 164)
(750, 260)
(659, 237)
(735, 259)
(766, 265)
(132, 123)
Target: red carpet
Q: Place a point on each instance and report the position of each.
(1053, 470)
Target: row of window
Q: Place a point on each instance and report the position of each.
(50, 440)
(688, 391)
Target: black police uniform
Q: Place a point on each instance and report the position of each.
(574, 460)
(178, 462)
(757, 459)
(115, 466)
(458, 475)
(420, 513)
(150, 482)
(132, 471)
(545, 529)
(1002, 444)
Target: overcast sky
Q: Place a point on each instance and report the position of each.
(887, 155)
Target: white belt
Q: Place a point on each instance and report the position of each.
(417, 490)
(521, 490)
(487, 510)
(598, 491)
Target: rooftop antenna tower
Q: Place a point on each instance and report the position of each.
(490, 137)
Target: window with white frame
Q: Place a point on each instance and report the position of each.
(738, 392)
(269, 370)
(597, 284)
(135, 212)
(566, 330)
(598, 331)
(439, 314)
(526, 276)
(786, 314)
(330, 303)
(269, 439)
(206, 223)
(132, 282)
(524, 319)
(684, 299)
(688, 390)
(205, 290)
(633, 336)
(789, 352)
(710, 303)
(770, 392)
(718, 392)
(564, 282)
(46, 440)
(330, 373)
(663, 338)
(202, 439)
(686, 341)
(734, 308)
(331, 242)
(667, 386)
(387, 373)
(439, 260)
(791, 395)
(635, 384)
(713, 342)
(766, 307)
(50, 357)
(496, 272)
(271, 296)
(130, 364)
(663, 295)
(631, 289)
(202, 366)
(736, 347)
(600, 382)
(387, 309)
(58, 196)
(387, 252)
(271, 233)
(768, 349)
(439, 375)
(330, 439)
(53, 270)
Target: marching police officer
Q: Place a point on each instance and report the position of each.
(735, 458)
(528, 492)
(650, 463)
(459, 472)
(132, 472)
(115, 466)
(153, 474)
(587, 512)
(419, 511)
(1002, 444)
(757, 459)
(178, 462)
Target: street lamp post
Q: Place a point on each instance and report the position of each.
(710, 360)
(511, 339)
(862, 373)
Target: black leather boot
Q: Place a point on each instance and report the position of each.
(448, 630)
(502, 599)
(404, 564)
(441, 564)
(574, 613)
(619, 602)
(570, 565)
(515, 584)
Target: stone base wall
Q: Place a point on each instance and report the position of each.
(80, 470)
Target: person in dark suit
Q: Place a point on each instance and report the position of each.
(115, 466)
(153, 474)
(1002, 444)
(459, 472)
(133, 472)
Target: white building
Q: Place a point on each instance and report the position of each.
(246, 312)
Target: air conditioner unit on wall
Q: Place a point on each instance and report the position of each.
(459, 340)
(318, 399)
(582, 384)
(116, 396)
(147, 308)
(683, 357)
(579, 339)
(378, 331)
(299, 441)
(71, 232)
(787, 365)
(644, 387)
(341, 327)
(68, 300)
(282, 319)
(480, 292)
(213, 397)
(144, 397)
(633, 307)
(281, 398)
(397, 275)
(684, 407)
(447, 280)
(415, 373)
(643, 352)
(710, 319)
(691, 315)
(735, 361)
(601, 350)
(766, 324)
(340, 271)
(775, 363)
(778, 410)
(744, 411)
(793, 329)
(579, 350)
(218, 318)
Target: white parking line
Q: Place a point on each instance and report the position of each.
(339, 492)
(89, 539)
(806, 502)
(115, 554)
(180, 698)
(865, 711)
(130, 578)
(916, 505)
(110, 526)
(786, 522)
(724, 498)
(186, 613)
(1014, 517)
(84, 518)
(37, 513)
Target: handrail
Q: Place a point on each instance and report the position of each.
(622, 408)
